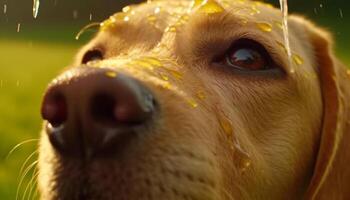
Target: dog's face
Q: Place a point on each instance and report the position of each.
(185, 100)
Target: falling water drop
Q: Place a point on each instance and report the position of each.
(90, 17)
(18, 27)
(5, 8)
(284, 9)
(36, 5)
(341, 13)
(75, 14)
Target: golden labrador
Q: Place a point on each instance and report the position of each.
(199, 100)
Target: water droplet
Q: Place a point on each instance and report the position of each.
(111, 74)
(177, 74)
(197, 3)
(126, 19)
(242, 158)
(18, 27)
(36, 5)
(279, 24)
(209, 7)
(166, 85)
(5, 8)
(254, 10)
(266, 27)
(192, 103)
(170, 29)
(341, 13)
(297, 59)
(126, 9)
(201, 95)
(111, 21)
(90, 17)
(164, 76)
(157, 10)
(151, 18)
(226, 126)
(154, 61)
(284, 10)
(258, 3)
(282, 46)
(75, 14)
(244, 20)
(143, 63)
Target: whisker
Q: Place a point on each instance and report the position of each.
(23, 177)
(31, 185)
(26, 161)
(19, 145)
(35, 196)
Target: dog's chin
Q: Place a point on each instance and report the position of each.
(162, 173)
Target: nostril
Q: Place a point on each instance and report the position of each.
(102, 108)
(54, 109)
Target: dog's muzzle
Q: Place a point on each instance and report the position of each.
(92, 111)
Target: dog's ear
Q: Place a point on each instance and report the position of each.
(331, 175)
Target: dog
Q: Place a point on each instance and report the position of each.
(198, 100)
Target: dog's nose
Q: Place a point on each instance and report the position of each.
(92, 111)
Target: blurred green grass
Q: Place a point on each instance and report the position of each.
(29, 60)
(26, 67)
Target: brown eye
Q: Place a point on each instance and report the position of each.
(92, 55)
(248, 55)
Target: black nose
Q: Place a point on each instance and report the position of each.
(90, 111)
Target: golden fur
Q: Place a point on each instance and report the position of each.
(289, 131)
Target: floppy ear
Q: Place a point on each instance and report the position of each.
(331, 175)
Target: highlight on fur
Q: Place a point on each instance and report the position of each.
(198, 100)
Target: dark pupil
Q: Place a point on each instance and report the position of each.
(247, 58)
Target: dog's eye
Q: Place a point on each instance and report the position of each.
(92, 55)
(248, 55)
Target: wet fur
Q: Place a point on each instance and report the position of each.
(277, 120)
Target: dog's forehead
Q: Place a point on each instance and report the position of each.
(167, 15)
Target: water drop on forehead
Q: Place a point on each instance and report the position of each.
(201, 94)
(208, 6)
(266, 27)
(226, 126)
(297, 59)
(192, 103)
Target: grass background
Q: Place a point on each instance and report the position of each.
(29, 60)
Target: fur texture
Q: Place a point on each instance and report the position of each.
(221, 134)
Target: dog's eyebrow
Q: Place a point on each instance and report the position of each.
(211, 35)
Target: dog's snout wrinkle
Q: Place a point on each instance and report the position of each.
(94, 110)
